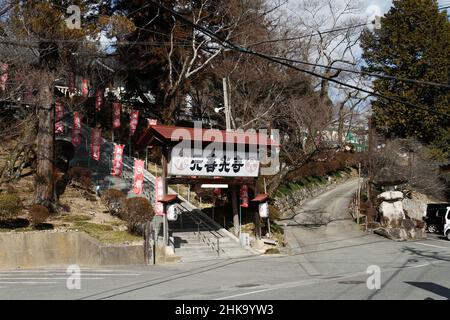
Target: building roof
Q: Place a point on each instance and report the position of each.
(262, 197)
(165, 135)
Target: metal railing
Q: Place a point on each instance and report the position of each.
(203, 228)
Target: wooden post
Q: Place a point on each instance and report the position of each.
(164, 163)
(235, 209)
(257, 218)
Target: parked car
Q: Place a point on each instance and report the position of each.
(435, 216)
(447, 224)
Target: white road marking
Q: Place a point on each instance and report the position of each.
(430, 245)
(83, 278)
(445, 241)
(27, 282)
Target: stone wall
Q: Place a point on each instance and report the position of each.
(49, 248)
(289, 205)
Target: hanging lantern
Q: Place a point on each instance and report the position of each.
(172, 212)
(263, 209)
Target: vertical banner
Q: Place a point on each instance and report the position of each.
(99, 99)
(3, 75)
(133, 121)
(76, 129)
(96, 140)
(159, 207)
(117, 160)
(152, 122)
(71, 82)
(85, 87)
(138, 176)
(59, 115)
(117, 109)
(244, 196)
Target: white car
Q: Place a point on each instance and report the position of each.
(447, 224)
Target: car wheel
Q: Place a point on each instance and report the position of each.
(448, 235)
(432, 228)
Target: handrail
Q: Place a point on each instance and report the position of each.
(215, 247)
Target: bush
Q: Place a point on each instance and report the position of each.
(10, 206)
(38, 214)
(113, 200)
(136, 211)
(80, 175)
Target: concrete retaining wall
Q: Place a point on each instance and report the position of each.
(43, 248)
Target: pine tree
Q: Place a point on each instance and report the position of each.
(413, 42)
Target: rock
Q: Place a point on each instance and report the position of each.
(373, 225)
(415, 209)
(392, 211)
(391, 196)
(396, 234)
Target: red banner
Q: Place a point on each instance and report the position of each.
(134, 121)
(117, 160)
(117, 109)
(59, 115)
(71, 82)
(96, 140)
(3, 75)
(76, 129)
(99, 99)
(244, 196)
(85, 87)
(159, 207)
(138, 176)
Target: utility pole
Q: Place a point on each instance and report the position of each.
(234, 202)
(226, 105)
(358, 195)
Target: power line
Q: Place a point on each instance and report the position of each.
(275, 60)
(436, 84)
(318, 33)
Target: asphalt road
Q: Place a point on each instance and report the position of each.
(328, 262)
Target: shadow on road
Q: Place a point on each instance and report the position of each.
(433, 288)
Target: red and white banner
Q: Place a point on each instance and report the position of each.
(117, 109)
(59, 115)
(3, 75)
(76, 129)
(134, 121)
(159, 207)
(96, 140)
(99, 99)
(71, 82)
(85, 87)
(152, 122)
(244, 196)
(117, 162)
(138, 176)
